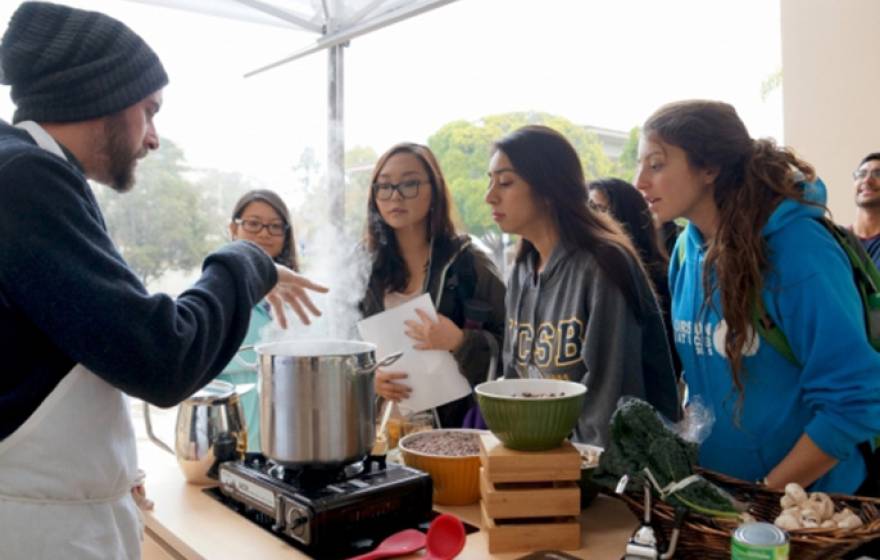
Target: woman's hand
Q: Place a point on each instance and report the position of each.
(291, 289)
(387, 387)
(441, 334)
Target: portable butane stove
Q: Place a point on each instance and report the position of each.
(319, 508)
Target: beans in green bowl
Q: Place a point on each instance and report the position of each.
(531, 414)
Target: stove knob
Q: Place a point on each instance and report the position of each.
(297, 523)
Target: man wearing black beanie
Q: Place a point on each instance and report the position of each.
(81, 327)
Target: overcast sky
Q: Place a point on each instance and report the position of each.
(598, 62)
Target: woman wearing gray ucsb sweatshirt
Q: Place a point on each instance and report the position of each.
(579, 304)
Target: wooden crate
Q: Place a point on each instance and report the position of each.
(508, 465)
(538, 533)
(530, 499)
(506, 500)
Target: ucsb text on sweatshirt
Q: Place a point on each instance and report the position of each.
(572, 322)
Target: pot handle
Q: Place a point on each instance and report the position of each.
(150, 433)
(250, 365)
(384, 362)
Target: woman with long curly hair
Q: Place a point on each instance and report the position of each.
(754, 233)
(579, 304)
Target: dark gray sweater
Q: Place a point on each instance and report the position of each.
(68, 297)
(572, 322)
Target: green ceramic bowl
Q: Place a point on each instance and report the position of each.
(523, 416)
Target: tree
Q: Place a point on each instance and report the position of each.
(629, 157)
(162, 224)
(771, 84)
(219, 191)
(313, 213)
(359, 162)
(463, 150)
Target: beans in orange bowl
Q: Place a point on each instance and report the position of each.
(531, 414)
(451, 457)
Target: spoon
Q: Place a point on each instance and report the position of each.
(380, 446)
(398, 544)
(446, 538)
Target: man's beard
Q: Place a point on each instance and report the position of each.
(870, 204)
(119, 157)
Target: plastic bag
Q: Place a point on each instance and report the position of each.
(696, 424)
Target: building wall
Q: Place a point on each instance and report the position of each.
(831, 89)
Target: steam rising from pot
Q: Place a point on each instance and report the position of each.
(341, 263)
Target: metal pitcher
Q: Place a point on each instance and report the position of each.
(211, 414)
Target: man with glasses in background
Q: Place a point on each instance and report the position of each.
(867, 224)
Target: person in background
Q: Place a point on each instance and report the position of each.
(668, 233)
(628, 207)
(867, 224)
(259, 216)
(87, 89)
(416, 250)
(579, 303)
(753, 233)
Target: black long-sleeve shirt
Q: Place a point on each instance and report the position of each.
(68, 297)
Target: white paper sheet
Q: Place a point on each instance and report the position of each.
(433, 374)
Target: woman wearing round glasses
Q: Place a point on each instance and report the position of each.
(259, 216)
(416, 250)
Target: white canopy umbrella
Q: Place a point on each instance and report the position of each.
(335, 23)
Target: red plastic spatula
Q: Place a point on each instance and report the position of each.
(398, 544)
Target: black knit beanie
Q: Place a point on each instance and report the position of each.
(67, 65)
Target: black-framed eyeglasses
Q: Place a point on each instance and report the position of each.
(862, 174)
(256, 226)
(407, 189)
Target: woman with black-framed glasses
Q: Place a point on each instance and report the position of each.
(415, 250)
(261, 217)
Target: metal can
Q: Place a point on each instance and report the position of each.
(759, 541)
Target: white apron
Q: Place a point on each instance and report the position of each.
(66, 473)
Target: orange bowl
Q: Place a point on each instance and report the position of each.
(456, 478)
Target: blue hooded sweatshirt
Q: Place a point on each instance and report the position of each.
(810, 294)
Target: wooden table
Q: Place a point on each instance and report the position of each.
(186, 523)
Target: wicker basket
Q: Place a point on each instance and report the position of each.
(706, 538)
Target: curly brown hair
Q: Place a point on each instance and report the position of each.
(754, 177)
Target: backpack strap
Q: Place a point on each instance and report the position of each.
(770, 331)
(865, 275)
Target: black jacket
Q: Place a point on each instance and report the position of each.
(68, 297)
(459, 273)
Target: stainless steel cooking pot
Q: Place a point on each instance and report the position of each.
(317, 403)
